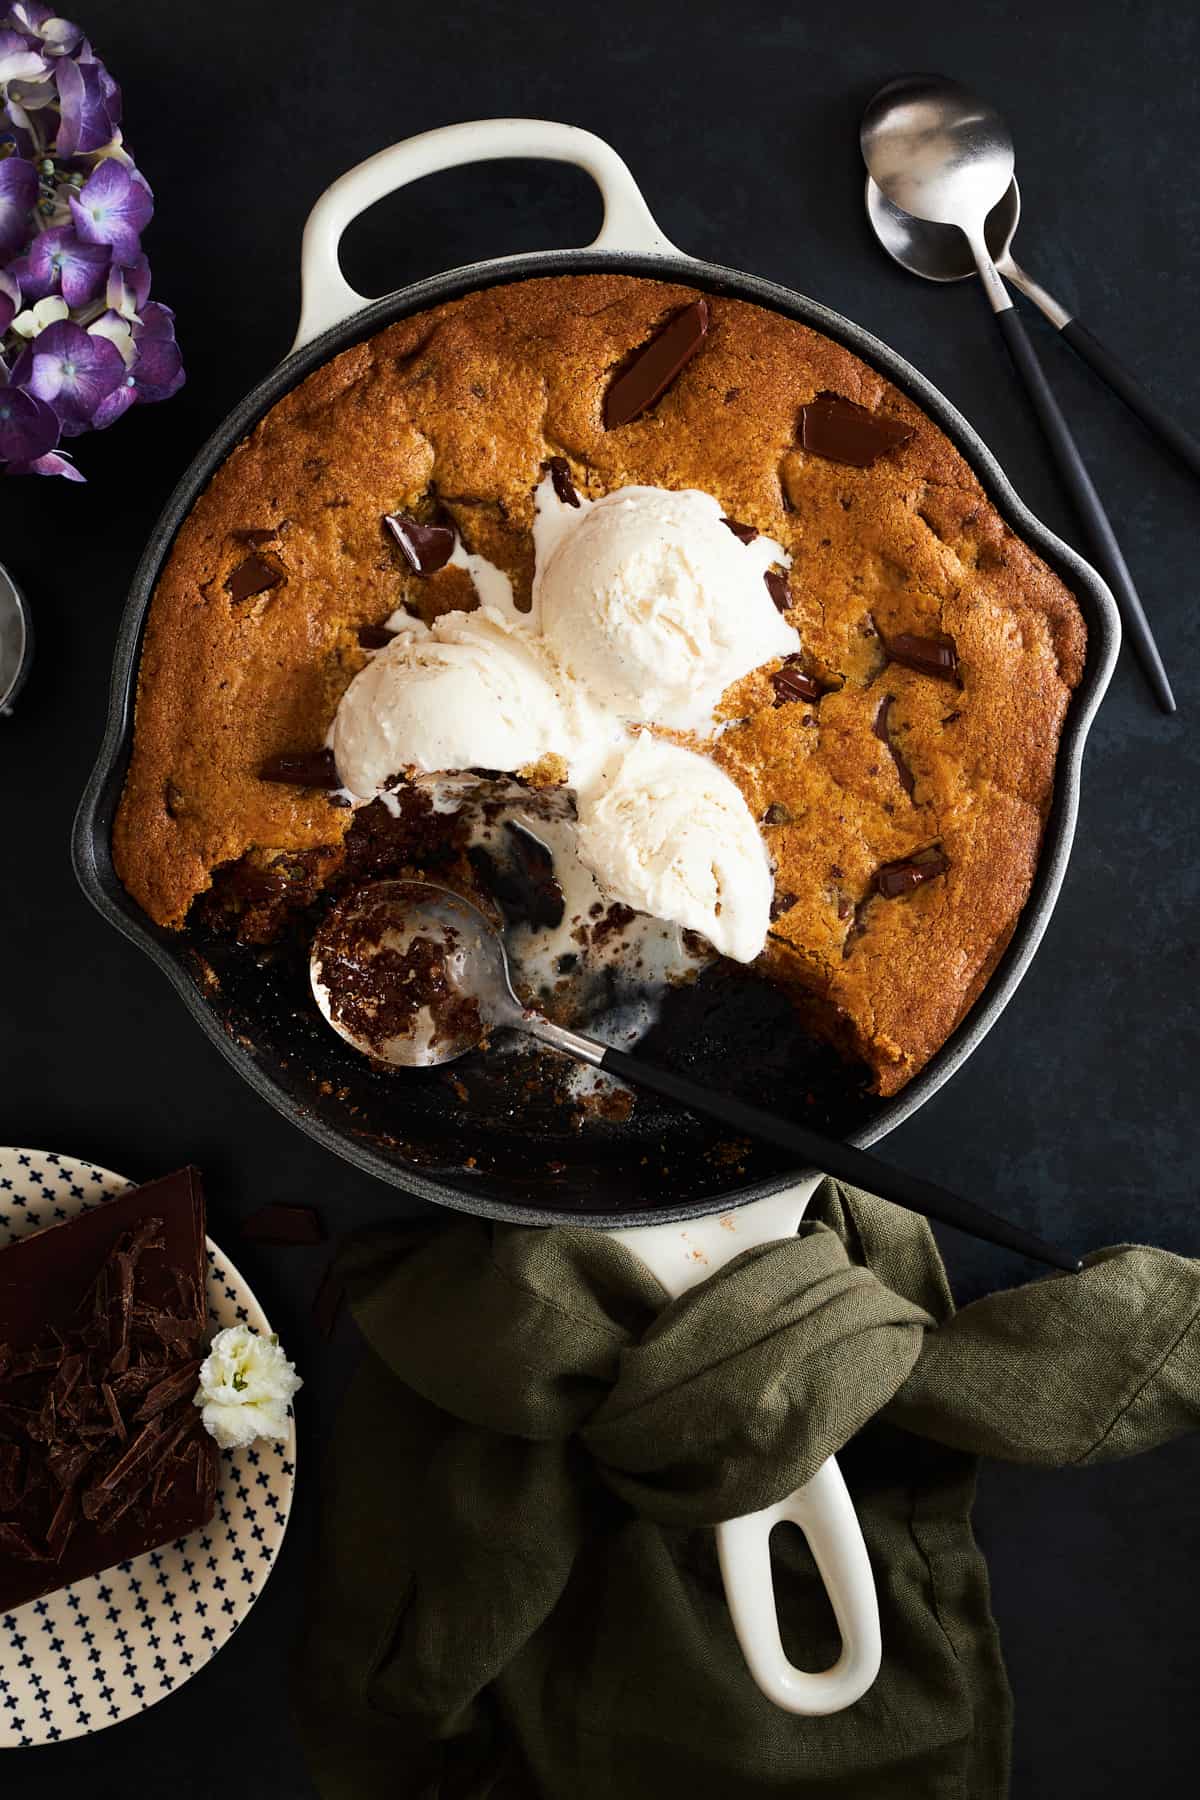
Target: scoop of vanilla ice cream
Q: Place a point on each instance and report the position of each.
(475, 691)
(667, 832)
(648, 598)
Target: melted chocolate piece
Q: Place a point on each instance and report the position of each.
(281, 1223)
(651, 370)
(302, 768)
(897, 878)
(560, 477)
(929, 656)
(882, 730)
(256, 534)
(777, 814)
(256, 575)
(777, 587)
(781, 903)
(837, 429)
(746, 534)
(791, 683)
(426, 548)
(374, 637)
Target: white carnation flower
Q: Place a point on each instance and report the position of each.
(246, 1382)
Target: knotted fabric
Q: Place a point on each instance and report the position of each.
(517, 1590)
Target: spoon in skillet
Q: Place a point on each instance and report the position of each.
(941, 253)
(413, 976)
(943, 155)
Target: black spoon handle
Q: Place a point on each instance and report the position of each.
(833, 1157)
(1102, 540)
(1122, 382)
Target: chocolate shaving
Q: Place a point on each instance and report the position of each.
(180, 1383)
(256, 575)
(929, 656)
(560, 477)
(746, 534)
(62, 1524)
(835, 428)
(652, 368)
(896, 878)
(374, 637)
(280, 1223)
(882, 730)
(66, 1463)
(302, 768)
(10, 1470)
(426, 548)
(777, 587)
(16, 1541)
(791, 683)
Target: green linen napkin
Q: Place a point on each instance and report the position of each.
(517, 1592)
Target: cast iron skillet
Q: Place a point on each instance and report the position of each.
(498, 1156)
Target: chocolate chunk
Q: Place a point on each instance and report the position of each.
(560, 476)
(374, 637)
(929, 656)
(745, 533)
(777, 814)
(652, 368)
(281, 1223)
(791, 683)
(426, 548)
(897, 878)
(256, 534)
(882, 730)
(837, 429)
(302, 768)
(777, 587)
(781, 903)
(256, 575)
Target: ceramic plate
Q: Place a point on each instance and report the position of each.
(108, 1647)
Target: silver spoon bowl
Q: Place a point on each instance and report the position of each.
(941, 253)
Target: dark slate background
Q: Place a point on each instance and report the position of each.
(1077, 1114)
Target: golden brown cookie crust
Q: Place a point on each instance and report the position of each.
(464, 405)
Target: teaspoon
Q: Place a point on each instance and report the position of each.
(939, 153)
(413, 976)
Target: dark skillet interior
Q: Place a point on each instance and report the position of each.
(507, 1149)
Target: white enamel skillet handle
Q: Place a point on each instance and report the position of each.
(680, 1256)
(326, 297)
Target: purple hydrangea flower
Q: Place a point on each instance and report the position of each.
(73, 371)
(10, 299)
(128, 288)
(156, 372)
(113, 207)
(59, 262)
(90, 106)
(18, 191)
(55, 462)
(57, 37)
(76, 323)
(19, 60)
(28, 427)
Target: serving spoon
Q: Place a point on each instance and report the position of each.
(476, 997)
(939, 153)
(940, 253)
